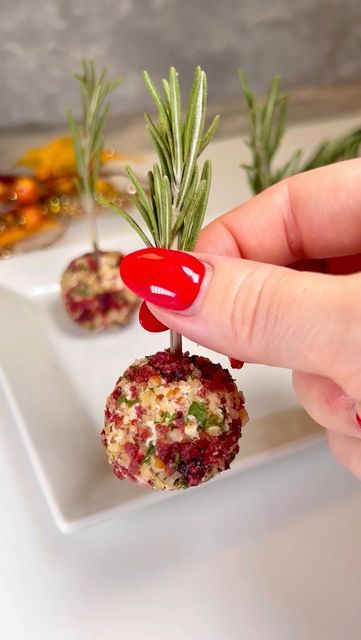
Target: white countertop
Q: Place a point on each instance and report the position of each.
(270, 554)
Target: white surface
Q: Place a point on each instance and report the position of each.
(272, 554)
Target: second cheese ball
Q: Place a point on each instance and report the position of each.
(93, 293)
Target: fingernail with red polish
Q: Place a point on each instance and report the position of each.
(166, 278)
(236, 364)
(148, 321)
(357, 420)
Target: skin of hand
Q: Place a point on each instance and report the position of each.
(253, 307)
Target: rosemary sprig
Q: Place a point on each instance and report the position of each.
(330, 151)
(174, 210)
(88, 140)
(267, 121)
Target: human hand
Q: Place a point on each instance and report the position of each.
(258, 310)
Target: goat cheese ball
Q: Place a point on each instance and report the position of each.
(173, 421)
(93, 293)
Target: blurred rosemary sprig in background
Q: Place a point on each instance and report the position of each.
(87, 137)
(267, 122)
(174, 210)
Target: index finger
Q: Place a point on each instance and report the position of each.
(316, 214)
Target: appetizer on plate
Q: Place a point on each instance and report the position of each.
(93, 293)
(173, 420)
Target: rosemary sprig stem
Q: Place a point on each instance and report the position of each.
(175, 342)
(175, 339)
(87, 203)
(88, 138)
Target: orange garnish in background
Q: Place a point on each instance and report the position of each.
(36, 200)
(56, 159)
(32, 220)
(26, 190)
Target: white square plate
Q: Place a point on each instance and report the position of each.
(57, 378)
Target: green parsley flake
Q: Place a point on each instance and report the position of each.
(213, 421)
(181, 484)
(82, 290)
(198, 411)
(149, 452)
(168, 417)
(205, 419)
(129, 403)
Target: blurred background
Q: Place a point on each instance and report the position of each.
(42, 42)
(313, 45)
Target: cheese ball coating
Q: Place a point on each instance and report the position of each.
(93, 293)
(173, 421)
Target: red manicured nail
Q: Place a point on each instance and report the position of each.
(236, 364)
(358, 420)
(315, 266)
(148, 321)
(166, 278)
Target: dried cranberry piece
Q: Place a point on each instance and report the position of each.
(179, 419)
(135, 456)
(116, 393)
(123, 473)
(139, 374)
(213, 376)
(134, 467)
(162, 429)
(165, 451)
(86, 316)
(118, 471)
(190, 450)
(143, 433)
(192, 472)
(140, 411)
(172, 367)
(93, 262)
(105, 302)
(131, 449)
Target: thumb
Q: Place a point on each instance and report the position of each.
(254, 311)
